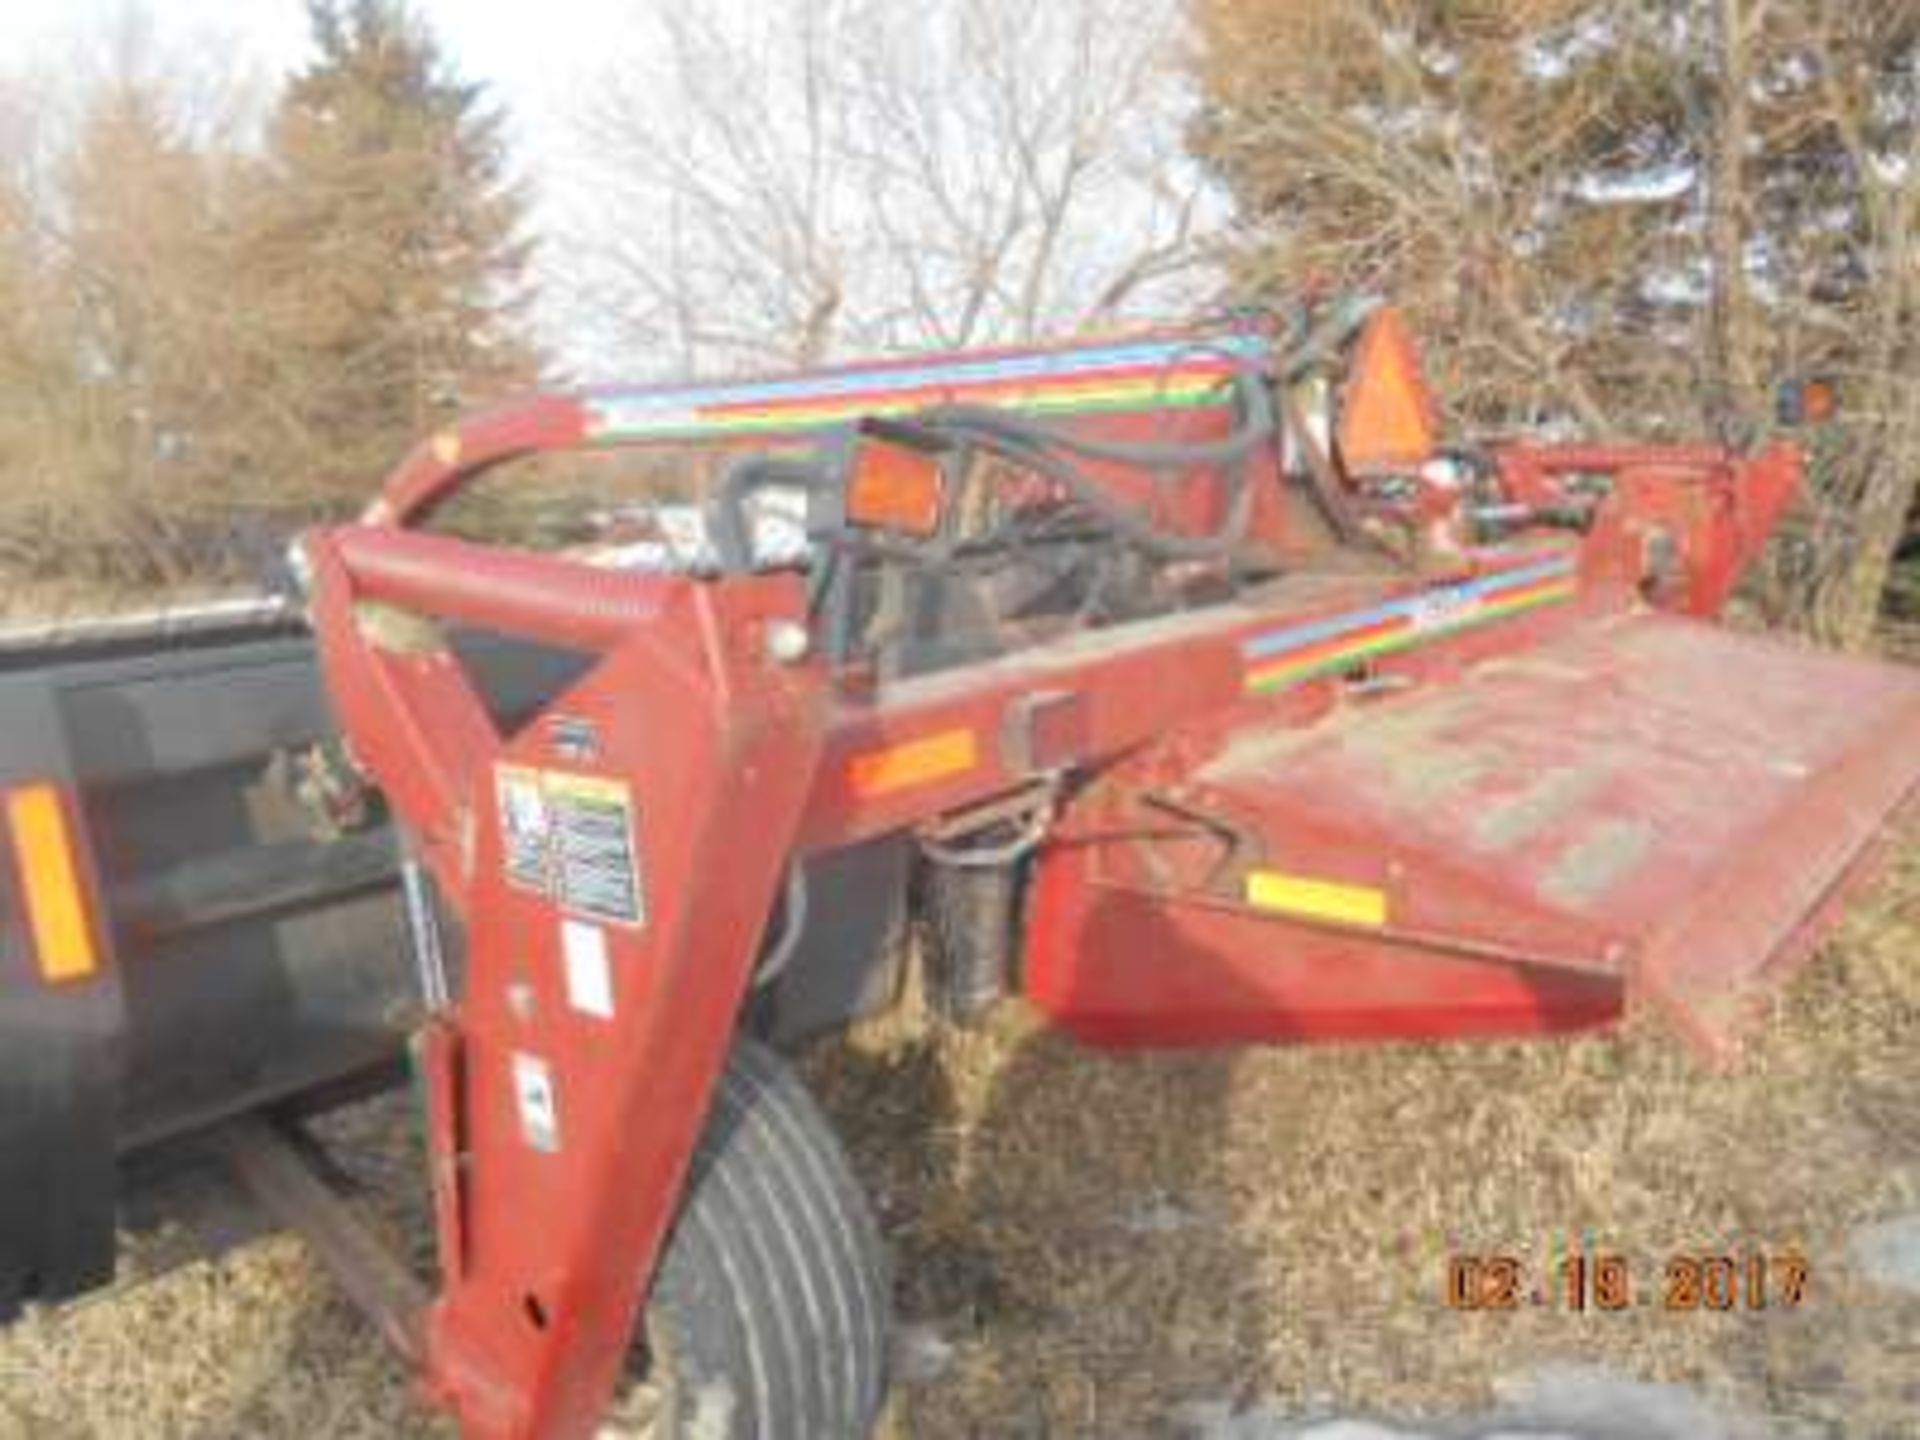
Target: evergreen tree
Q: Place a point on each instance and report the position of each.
(387, 250)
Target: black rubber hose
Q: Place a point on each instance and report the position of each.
(1034, 445)
(732, 533)
(1249, 390)
(1137, 528)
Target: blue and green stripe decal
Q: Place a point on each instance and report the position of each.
(1148, 375)
(1279, 658)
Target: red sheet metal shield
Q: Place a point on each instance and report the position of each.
(1647, 803)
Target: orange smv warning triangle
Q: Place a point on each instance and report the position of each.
(1387, 423)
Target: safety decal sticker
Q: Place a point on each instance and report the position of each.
(538, 1103)
(526, 827)
(597, 871)
(571, 837)
(573, 737)
(589, 973)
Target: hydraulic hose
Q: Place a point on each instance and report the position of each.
(1037, 446)
(1045, 449)
(732, 532)
(1256, 426)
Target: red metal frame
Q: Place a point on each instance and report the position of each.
(736, 765)
(562, 1127)
(549, 1239)
(1716, 509)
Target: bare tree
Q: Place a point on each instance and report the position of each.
(119, 269)
(1464, 159)
(1730, 309)
(1836, 218)
(1614, 216)
(786, 181)
(221, 317)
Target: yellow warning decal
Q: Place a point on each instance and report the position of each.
(913, 762)
(1316, 899)
(597, 869)
(593, 789)
(572, 838)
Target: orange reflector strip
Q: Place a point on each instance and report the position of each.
(894, 488)
(914, 762)
(56, 910)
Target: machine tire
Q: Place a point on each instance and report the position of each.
(769, 1315)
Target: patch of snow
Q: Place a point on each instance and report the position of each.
(1556, 1402)
(1156, 1214)
(1890, 168)
(681, 542)
(1651, 185)
(1674, 287)
(1593, 1400)
(1221, 1420)
(1888, 1252)
(921, 1355)
(1555, 55)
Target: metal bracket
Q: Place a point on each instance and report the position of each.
(274, 1168)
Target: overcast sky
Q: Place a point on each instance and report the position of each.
(534, 55)
(537, 59)
(543, 61)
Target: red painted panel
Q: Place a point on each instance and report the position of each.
(1120, 966)
(1645, 800)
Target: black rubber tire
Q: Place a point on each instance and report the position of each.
(769, 1316)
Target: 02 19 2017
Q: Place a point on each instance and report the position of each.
(1591, 1280)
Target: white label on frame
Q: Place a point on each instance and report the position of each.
(583, 949)
(538, 1102)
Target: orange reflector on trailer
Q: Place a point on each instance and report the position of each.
(1387, 421)
(50, 880)
(895, 487)
(914, 762)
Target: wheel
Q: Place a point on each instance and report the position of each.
(769, 1315)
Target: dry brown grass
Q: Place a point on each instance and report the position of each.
(1104, 1240)
(1107, 1239)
